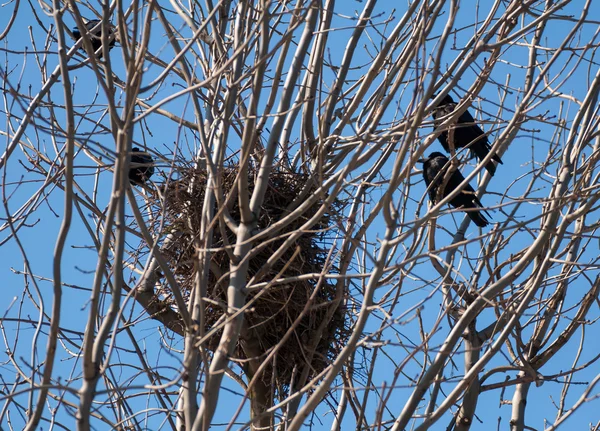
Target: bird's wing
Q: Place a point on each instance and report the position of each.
(93, 23)
(472, 131)
(467, 191)
(467, 197)
(455, 179)
(466, 117)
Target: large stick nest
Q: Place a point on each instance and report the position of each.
(273, 308)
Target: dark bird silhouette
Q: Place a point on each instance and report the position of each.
(434, 172)
(95, 35)
(466, 133)
(141, 167)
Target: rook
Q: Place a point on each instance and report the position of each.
(466, 133)
(141, 167)
(95, 35)
(434, 172)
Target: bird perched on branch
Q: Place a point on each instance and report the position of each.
(466, 133)
(435, 168)
(141, 167)
(94, 28)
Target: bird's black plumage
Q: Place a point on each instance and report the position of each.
(434, 172)
(141, 167)
(466, 133)
(95, 35)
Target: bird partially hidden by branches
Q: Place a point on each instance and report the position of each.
(94, 29)
(141, 167)
(465, 133)
(435, 173)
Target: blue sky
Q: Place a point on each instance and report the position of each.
(161, 135)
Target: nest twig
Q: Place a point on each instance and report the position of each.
(301, 304)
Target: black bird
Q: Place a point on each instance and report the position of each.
(95, 35)
(141, 167)
(434, 172)
(466, 133)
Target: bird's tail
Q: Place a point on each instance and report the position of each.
(478, 218)
(496, 158)
(481, 151)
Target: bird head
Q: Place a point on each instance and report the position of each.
(431, 156)
(435, 154)
(446, 100)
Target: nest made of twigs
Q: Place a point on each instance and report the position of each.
(303, 304)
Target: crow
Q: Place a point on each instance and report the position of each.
(435, 168)
(141, 167)
(95, 35)
(466, 133)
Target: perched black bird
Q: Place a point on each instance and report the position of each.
(95, 35)
(466, 133)
(141, 167)
(434, 171)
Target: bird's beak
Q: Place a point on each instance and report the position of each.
(421, 161)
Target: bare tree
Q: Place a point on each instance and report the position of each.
(282, 268)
